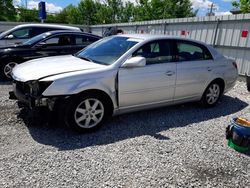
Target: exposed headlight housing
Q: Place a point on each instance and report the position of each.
(37, 88)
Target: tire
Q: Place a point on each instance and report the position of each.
(212, 94)
(6, 69)
(87, 112)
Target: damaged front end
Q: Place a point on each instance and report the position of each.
(30, 94)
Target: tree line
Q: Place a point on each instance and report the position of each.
(91, 12)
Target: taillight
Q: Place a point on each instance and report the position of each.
(235, 65)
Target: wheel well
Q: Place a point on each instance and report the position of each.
(221, 82)
(102, 94)
(14, 59)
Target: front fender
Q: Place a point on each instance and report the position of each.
(68, 87)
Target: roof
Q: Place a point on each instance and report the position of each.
(48, 25)
(159, 36)
(72, 31)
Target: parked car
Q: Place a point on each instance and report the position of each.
(124, 73)
(47, 44)
(22, 33)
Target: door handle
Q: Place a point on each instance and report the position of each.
(170, 73)
(209, 69)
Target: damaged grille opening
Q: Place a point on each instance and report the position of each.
(29, 88)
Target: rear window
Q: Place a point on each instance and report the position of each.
(84, 40)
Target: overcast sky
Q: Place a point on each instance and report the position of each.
(222, 6)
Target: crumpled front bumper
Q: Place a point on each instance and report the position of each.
(30, 101)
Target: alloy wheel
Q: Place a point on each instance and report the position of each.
(8, 69)
(213, 94)
(89, 113)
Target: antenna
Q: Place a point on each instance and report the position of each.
(211, 9)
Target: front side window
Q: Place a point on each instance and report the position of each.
(21, 33)
(188, 51)
(108, 50)
(156, 52)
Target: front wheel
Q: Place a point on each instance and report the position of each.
(211, 95)
(86, 113)
(6, 70)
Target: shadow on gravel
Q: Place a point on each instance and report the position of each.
(127, 126)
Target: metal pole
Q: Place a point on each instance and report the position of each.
(216, 32)
(165, 27)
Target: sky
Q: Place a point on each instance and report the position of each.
(222, 6)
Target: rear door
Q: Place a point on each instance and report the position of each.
(194, 69)
(150, 84)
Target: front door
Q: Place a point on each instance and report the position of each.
(150, 84)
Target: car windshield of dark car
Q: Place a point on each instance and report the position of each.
(107, 50)
(37, 38)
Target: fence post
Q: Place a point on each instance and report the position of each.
(165, 27)
(216, 32)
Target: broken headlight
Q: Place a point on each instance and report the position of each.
(37, 88)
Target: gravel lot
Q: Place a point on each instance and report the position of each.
(180, 146)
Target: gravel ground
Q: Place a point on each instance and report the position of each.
(180, 146)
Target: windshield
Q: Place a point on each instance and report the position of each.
(37, 38)
(3, 34)
(107, 50)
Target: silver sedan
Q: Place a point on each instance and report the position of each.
(121, 74)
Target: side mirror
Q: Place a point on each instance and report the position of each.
(134, 62)
(9, 36)
(41, 45)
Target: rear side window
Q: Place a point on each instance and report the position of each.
(156, 52)
(84, 40)
(189, 51)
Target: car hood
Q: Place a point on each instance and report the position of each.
(49, 66)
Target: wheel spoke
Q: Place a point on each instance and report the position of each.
(98, 112)
(95, 119)
(210, 100)
(209, 95)
(81, 118)
(211, 90)
(87, 104)
(87, 122)
(80, 110)
(95, 105)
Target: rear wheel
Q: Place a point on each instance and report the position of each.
(212, 94)
(87, 112)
